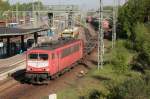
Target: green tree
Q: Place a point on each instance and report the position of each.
(132, 19)
(132, 12)
(28, 6)
(4, 6)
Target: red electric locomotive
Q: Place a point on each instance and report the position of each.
(45, 61)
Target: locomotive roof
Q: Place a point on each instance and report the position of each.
(54, 44)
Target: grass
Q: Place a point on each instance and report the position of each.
(69, 93)
(148, 27)
(82, 89)
(108, 74)
(101, 80)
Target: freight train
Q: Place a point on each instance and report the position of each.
(93, 21)
(106, 25)
(49, 59)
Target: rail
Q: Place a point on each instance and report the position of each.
(11, 69)
(91, 42)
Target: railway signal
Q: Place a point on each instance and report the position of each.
(70, 20)
(50, 17)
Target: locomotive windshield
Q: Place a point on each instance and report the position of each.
(33, 56)
(43, 56)
(38, 56)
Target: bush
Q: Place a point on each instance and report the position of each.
(120, 58)
(141, 36)
(147, 76)
(131, 89)
(140, 63)
(142, 45)
(147, 80)
(95, 94)
(128, 45)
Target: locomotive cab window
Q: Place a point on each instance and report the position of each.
(38, 56)
(43, 56)
(33, 56)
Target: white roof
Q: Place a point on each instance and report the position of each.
(71, 30)
(68, 30)
(12, 23)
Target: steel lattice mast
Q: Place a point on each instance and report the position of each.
(115, 14)
(101, 33)
(100, 38)
(70, 18)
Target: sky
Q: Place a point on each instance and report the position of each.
(84, 4)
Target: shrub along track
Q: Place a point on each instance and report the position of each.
(14, 89)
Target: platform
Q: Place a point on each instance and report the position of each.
(11, 64)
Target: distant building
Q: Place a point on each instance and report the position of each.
(12, 25)
(105, 24)
(2, 23)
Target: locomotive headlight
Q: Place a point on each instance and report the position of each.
(29, 69)
(47, 69)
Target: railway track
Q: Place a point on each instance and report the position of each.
(12, 68)
(89, 46)
(16, 90)
(91, 42)
(21, 91)
(19, 76)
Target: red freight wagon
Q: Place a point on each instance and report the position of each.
(49, 59)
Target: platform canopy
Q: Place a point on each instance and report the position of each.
(5, 31)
